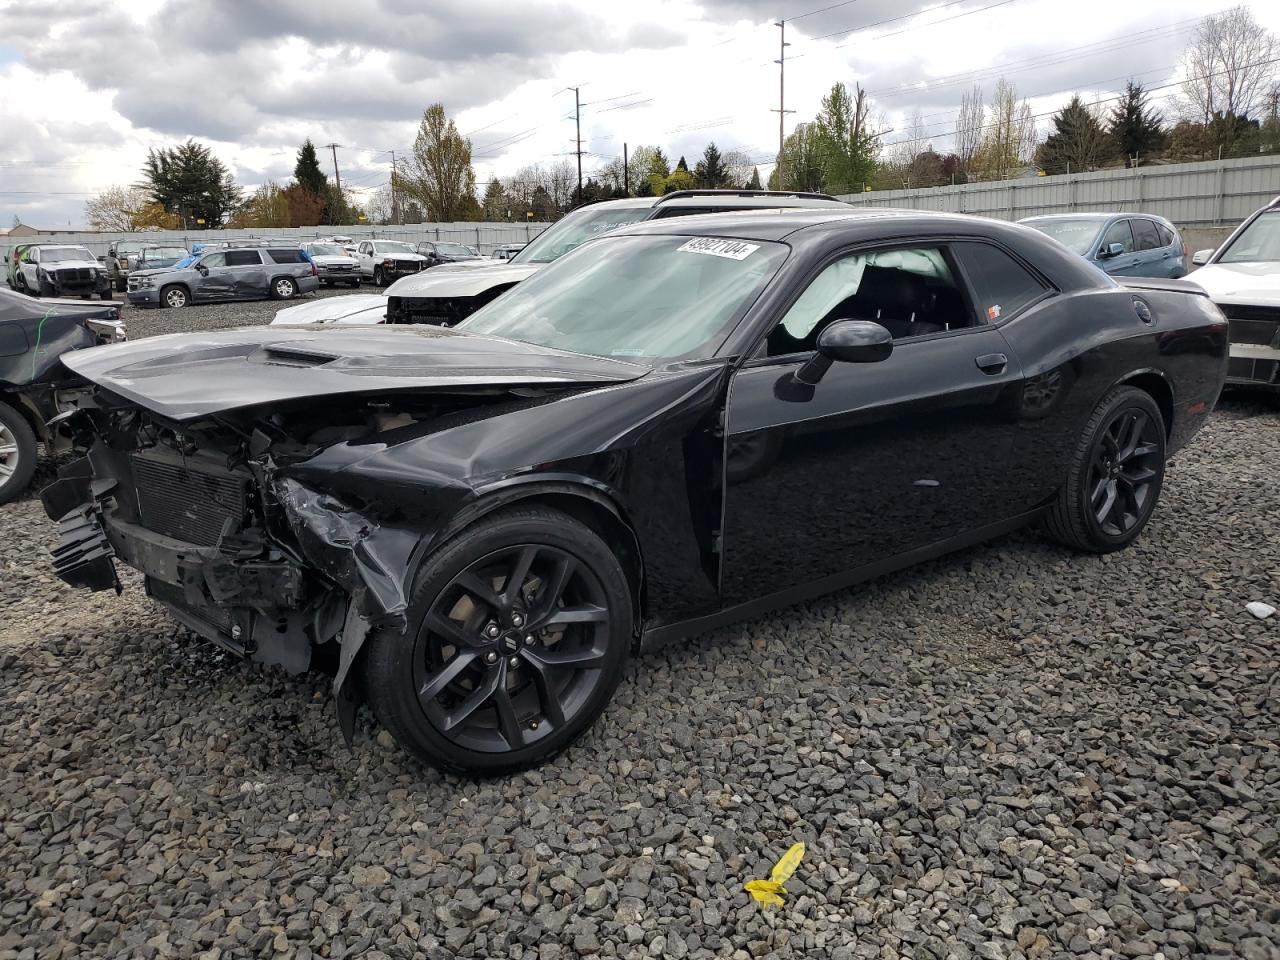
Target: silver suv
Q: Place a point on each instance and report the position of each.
(236, 273)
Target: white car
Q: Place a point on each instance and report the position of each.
(333, 264)
(385, 261)
(62, 270)
(359, 308)
(1243, 278)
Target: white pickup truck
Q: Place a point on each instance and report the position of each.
(386, 261)
(62, 270)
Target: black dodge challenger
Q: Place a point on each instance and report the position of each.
(678, 424)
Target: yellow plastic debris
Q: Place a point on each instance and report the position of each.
(770, 891)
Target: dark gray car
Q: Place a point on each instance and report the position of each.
(252, 273)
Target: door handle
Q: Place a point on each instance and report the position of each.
(992, 363)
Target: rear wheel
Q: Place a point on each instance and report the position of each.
(17, 453)
(1115, 476)
(174, 297)
(519, 630)
(283, 288)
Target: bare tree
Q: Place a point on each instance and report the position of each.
(379, 206)
(562, 180)
(915, 142)
(1008, 135)
(116, 209)
(1227, 68)
(969, 127)
(739, 167)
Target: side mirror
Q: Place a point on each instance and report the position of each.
(848, 341)
(1111, 250)
(1201, 257)
(204, 271)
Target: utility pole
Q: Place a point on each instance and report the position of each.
(782, 110)
(337, 179)
(395, 204)
(626, 172)
(577, 122)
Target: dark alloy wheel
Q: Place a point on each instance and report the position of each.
(520, 629)
(1115, 477)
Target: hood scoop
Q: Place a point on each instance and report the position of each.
(291, 357)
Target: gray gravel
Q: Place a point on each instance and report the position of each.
(1011, 752)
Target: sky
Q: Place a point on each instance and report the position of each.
(89, 86)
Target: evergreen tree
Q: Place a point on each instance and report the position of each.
(1078, 142)
(755, 179)
(496, 203)
(682, 165)
(711, 172)
(1136, 129)
(307, 170)
(189, 181)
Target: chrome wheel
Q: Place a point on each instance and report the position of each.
(175, 297)
(1124, 472)
(512, 649)
(285, 288)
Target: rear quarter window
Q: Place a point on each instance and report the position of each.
(1001, 285)
(287, 256)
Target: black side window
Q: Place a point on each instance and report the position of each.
(243, 258)
(1145, 236)
(286, 256)
(1001, 285)
(1167, 238)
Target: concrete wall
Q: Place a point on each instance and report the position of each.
(1191, 195)
(484, 236)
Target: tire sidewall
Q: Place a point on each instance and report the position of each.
(11, 487)
(1131, 399)
(390, 681)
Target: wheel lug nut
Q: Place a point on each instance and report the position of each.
(533, 724)
(492, 630)
(517, 620)
(490, 657)
(513, 662)
(528, 638)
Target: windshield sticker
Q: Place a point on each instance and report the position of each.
(627, 352)
(729, 249)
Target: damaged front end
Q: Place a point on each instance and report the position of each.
(241, 525)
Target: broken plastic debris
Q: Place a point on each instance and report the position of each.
(1259, 609)
(770, 891)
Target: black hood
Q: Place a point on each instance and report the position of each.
(190, 375)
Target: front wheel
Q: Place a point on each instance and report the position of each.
(519, 630)
(1115, 476)
(174, 297)
(379, 278)
(17, 453)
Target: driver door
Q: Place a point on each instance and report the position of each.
(878, 459)
(215, 278)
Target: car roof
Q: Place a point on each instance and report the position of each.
(1094, 216)
(778, 223)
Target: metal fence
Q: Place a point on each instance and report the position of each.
(1216, 193)
(483, 236)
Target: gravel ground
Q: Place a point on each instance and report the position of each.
(1010, 752)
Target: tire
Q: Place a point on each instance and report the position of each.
(106, 294)
(121, 285)
(1115, 476)
(379, 279)
(45, 288)
(284, 288)
(535, 709)
(17, 453)
(355, 284)
(174, 296)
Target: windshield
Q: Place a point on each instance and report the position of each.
(392, 246)
(1076, 235)
(325, 250)
(164, 253)
(643, 298)
(455, 250)
(1258, 242)
(56, 254)
(575, 229)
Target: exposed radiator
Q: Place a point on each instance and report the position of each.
(185, 501)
